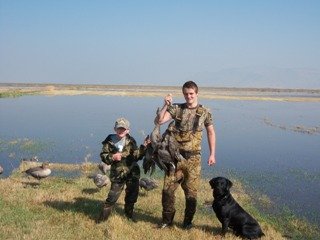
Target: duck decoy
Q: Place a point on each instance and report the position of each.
(39, 172)
(1, 169)
(101, 180)
(104, 168)
(147, 184)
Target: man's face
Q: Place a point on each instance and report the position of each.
(190, 95)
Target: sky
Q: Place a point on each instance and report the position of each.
(274, 43)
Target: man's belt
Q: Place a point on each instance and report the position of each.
(189, 154)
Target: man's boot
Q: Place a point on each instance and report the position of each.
(105, 213)
(191, 204)
(167, 219)
(128, 211)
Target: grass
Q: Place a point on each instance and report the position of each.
(66, 208)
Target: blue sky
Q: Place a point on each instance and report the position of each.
(215, 43)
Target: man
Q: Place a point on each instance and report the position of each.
(190, 118)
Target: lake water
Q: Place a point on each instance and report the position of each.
(271, 158)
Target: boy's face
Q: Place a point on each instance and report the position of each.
(121, 132)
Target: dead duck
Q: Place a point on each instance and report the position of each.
(1, 169)
(101, 180)
(39, 172)
(163, 151)
(104, 168)
(147, 184)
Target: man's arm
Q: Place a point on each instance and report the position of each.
(164, 116)
(212, 144)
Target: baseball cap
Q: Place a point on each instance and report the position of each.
(122, 123)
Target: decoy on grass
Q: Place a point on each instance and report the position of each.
(39, 172)
(147, 184)
(100, 180)
(104, 168)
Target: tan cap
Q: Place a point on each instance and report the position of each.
(122, 123)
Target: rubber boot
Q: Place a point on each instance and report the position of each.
(105, 213)
(189, 212)
(167, 219)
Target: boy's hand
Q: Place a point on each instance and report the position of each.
(117, 156)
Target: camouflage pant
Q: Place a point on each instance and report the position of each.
(188, 175)
(132, 191)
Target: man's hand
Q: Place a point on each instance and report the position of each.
(168, 99)
(211, 160)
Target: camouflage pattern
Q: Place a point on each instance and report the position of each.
(123, 172)
(187, 130)
(188, 175)
(131, 192)
(127, 167)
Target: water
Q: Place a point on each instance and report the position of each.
(272, 160)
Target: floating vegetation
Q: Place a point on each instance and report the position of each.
(298, 128)
(16, 93)
(25, 146)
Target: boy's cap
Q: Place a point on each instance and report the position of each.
(122, 123)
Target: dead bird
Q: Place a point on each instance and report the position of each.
(163, 150)
(100, 180)
(39, 172)
(147, 184)
(104, 168)
(1, 169)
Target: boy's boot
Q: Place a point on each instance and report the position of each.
(105, 213)
(128, 210)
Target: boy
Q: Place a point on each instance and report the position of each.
(121, 152)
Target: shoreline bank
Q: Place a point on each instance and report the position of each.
(219, 93)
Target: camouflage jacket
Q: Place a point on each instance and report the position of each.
(130, 155)
(188, 125)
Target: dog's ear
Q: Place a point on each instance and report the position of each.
(229, 184)
(211, 182)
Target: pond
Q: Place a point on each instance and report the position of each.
(262, 143)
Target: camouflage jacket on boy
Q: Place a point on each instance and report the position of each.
(127, 166)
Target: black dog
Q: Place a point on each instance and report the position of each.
(230, 213)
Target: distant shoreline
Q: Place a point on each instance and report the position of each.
(223, 93)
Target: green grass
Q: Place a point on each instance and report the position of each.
(66, 208)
